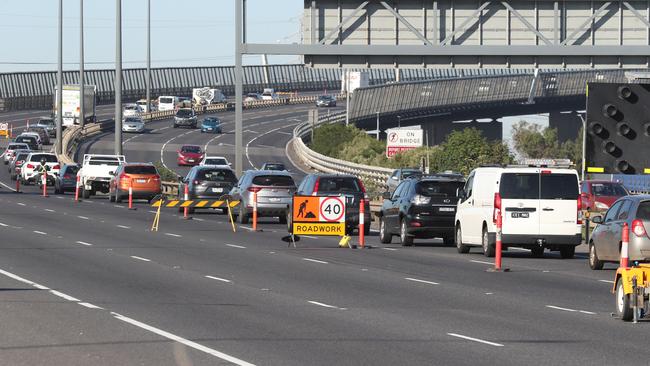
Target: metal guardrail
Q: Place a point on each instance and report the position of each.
(326, 164)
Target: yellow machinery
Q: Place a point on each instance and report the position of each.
(631, 288)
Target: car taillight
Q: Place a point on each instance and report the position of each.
(579, 213)
(124, 178)
(30, 166)
(254, 189)
(638, 228)
(156, 177)
(67, 176)
(196, 182)
(497, 207)
(57, 167)
(316, 187)
(363, 189)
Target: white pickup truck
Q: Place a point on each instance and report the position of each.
(96, 172)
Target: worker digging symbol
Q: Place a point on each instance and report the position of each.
(301, 211)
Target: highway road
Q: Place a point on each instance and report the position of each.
(88, 284)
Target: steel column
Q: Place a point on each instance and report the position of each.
(118, 77)
(59, 83)
(239, 24)
(82, 107)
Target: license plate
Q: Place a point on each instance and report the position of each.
(141, 181)
(274, 200)
(217, 190)
(446, 209)
(191, 160)
(520, 215)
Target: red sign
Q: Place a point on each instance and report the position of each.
(392, 150)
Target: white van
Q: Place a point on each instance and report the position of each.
(269, 94)
(540, 209)
(167, 103)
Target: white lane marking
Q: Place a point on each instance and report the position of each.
(393, 249)
(140, 258)
(236, 246)
(587, 312)
(257, 137)
(49, 210)
(325, 305)
(83, 217)
(475, 339)
(5, 225)
(89, 305)
(197, 219)
(286, 133)
(6, 186)
(606, 281)
(246, 228)
(123, 227)
(218, 279)
(39, 232)
(520, 249)
(21, 204)
(308, 236)
(118, 206)
(184, 341)
(174, 235)
(422, 281)
(481, 262)
(314, 260)
(83, 243)
(64, 296)
(153, 212)
(559, 308)
(61, 198)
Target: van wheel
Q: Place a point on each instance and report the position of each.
(407, 240)
(623, 301)
(85, 194)
(594, 262)
(567, 252)
(384, 236)
(537, 252)
(462, 248)
(488, 250)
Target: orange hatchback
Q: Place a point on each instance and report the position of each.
(143, 177)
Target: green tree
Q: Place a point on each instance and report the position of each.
(330, 139)
(467, 149)
(533, 141)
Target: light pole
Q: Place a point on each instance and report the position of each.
(148, 78)
(82, 107)
(377, 126)
(239, 80)
(118, 77)
(59, 87)
(347, 97)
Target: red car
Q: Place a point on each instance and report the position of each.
(599, 195)
(190, 155)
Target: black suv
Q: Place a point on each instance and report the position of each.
(334, 185)
(421, 207)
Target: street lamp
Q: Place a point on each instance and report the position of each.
(82, 107)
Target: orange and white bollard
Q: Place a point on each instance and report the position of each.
(44, 183)
(625, 243)
(76, 189)
(362, 224)
(497, 256)
(255, 211)
(18, 185)
(186, 197)
(131, 194)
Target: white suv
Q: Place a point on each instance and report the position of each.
(215, 160)
(29, 170)
(540, 209)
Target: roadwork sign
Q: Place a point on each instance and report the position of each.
(318, 215)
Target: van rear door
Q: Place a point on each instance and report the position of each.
(520, 202)
(558, 202)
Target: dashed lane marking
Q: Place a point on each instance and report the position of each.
(83, 217)
(21, 204)
(571, 310)
(64, 296)
(89, 305)
(39, 232)
(49, 210)
(606, 281)
(314, 260)
(325, 305)
(475, 339)
(481, 262)
(140, 258)
(421, 281)
(236, 246)
(174, 235)
(392, 249)
(4, 225)
(83, 243)
(123, 227)
(218, 279)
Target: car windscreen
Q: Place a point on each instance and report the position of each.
(48, 158)
(216, 175)
(643, 212)
(410, 172)
(608, 189)
(191, 149)
(46, 122)
(140, 169)
(438, 189)
(519, 186)
(133, 120)
(559, 187)
(72, 169)
(338, 184)
(130, 107)
(22, 156)
(217, 161)
(104, 161)
(274, 180)
(166, 100)
(16, 146)
(183, 113)
(26, 139)
(274, 167)
(210, 122)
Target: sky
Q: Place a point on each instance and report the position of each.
(186, 32)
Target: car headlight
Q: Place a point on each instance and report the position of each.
(601, 206)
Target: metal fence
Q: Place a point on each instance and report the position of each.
(446, 94)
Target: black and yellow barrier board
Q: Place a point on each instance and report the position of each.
(196, 204)
(318, 215)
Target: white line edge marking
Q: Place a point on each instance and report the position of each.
(89, 305)
(422, 281)
(391, 249)
(174, 235)
(325, 305)
(481, 262)
(218, 279)
(83, 217)
(140, 258)
(64, 296)
(123, 227)
(475, 339)
(39, 232)
(587, 312)
(236, 246)
(184, 341)
(314, 260)
(560, 308)
(83, 243)
(21, 204)
(49, 210)
(606, 281)
(2, 224)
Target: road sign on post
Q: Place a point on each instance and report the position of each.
(402, 139)
(318, 215)
(4, 129)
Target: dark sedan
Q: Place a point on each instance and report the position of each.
(66, 180)
(326, 101)
(207, 182)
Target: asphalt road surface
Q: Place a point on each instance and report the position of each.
(88, 283)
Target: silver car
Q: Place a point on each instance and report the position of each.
(133, 124)
(274, 189)
(605, 243)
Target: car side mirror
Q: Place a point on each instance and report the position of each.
(385, 195)
(460, 193)
(597, 219)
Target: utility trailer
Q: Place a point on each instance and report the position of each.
(631, 289)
